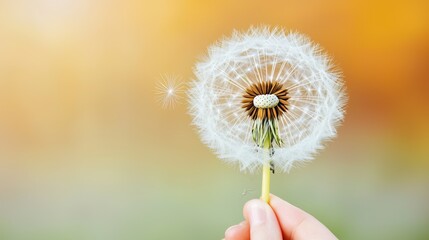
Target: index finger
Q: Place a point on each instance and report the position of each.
(296, 224)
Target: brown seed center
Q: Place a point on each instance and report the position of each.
(260, 100)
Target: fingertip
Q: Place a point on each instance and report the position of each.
(252, 204)
(262, 220)
(281, 206)
(232, 232)
(276, 201)
(237, 232)
(298, 223)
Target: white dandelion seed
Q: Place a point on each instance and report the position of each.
(291, 100)
(169, 91)
(246, 192)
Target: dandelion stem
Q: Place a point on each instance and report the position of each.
(266, 174)
(265, 196)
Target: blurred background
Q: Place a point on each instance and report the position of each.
(86, 151)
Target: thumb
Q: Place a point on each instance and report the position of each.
(262, 220)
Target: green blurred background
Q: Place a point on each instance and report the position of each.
(86, 152)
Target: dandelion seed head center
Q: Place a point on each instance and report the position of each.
(266, 101)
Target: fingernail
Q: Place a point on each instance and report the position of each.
(258, 215)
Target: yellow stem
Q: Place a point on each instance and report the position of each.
(266, 174)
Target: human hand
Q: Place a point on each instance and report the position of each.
(279, 220)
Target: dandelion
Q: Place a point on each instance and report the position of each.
(169, 91)
(266, 98)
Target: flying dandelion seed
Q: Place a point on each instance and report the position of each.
(266, 98)
(169, 91)
(246, 192)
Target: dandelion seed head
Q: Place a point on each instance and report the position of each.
(268, 62)
(169, 91)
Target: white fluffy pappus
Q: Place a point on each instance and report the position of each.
(315, 89)
(169, 91)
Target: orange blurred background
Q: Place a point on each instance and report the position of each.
(86, 152)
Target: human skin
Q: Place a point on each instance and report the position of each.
(278, 220)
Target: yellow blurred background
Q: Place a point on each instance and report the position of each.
(86, 152)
